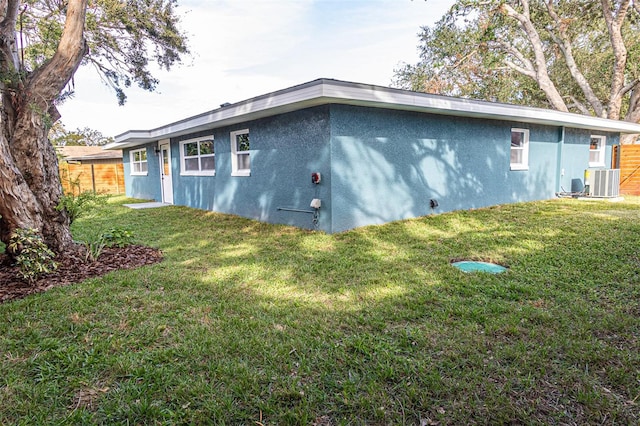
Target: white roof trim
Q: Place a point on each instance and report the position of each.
(326, 91)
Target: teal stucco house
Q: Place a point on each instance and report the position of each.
(336, 155)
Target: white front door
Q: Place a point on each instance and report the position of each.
(165, 172)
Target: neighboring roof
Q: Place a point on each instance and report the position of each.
(327, 91)
(86, 153)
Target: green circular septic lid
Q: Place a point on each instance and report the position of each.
(474, 266)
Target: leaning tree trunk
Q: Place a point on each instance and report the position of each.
(30, 187)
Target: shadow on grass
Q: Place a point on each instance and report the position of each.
(248, 322)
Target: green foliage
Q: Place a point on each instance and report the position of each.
(94, 249)
(478, 50)
(118, 237)
(59, 136)
(123, 37)
(80, 204)
(114, 237)
(32, 255)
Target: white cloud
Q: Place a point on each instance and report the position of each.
(245, 48)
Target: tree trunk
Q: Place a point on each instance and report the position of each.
(30, 187)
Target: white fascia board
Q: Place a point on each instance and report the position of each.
(323, 91)
(414, 101)
(304, 96)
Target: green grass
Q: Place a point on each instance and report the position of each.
(249, 323)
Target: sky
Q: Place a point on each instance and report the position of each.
(245, 48)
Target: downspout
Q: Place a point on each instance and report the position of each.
(559, 168)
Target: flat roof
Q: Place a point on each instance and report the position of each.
(328, 91)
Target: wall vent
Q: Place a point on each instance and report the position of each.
(604, 182)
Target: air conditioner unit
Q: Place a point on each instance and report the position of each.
(603, 182)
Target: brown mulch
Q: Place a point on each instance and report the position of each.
(73, 270)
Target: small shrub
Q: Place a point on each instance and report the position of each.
(118, 237)
(94, 249)
(79, 205)
(114, 237)
(33, 257)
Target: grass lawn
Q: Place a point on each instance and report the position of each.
(255, 324)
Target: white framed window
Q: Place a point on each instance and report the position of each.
(240, 153)
(198, 157)
(596, 151)
(519, 149)
(138, 160)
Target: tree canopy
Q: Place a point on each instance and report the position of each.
(122, 38)
(60, 136)
(576, 55)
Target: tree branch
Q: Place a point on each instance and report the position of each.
(579, 105)
(614, 26)
(512, 50)
(51, 78)
(564, 44)
(521, 70)
(633, 113)
(8, 49)
(540, 62)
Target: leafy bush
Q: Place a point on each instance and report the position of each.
(78, 205)
(118, 237)
(33, 257)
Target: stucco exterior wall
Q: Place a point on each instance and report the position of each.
(388, 164)
(377, 165)
(285, 150)
(143, 187)
(575, 157)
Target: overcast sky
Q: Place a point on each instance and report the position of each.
(245, 48)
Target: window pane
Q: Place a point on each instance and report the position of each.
(190, 149)
(595, 143)
(242, 142)
(516, 156)
(136, 156)
(208, 163)
(517, 139)
(165, 163)
(143, 166)
(206, 147)
(594, 156)
(244, 162)
(143, 155)
(191, 164)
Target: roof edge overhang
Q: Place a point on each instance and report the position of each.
(327, 91)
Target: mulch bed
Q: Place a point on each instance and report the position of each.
(73, 270)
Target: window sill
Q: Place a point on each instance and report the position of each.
(597, 165)
(197, 173)
(241, 173)
(515, 167)
(139, 174)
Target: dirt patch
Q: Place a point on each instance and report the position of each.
(72, 270)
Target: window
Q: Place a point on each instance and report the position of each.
(596, 151)
(519, 149)
(240, 160)
(197, 157)
(139, 165)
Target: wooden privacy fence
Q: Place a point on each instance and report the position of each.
(628, 158)
(105, 176)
